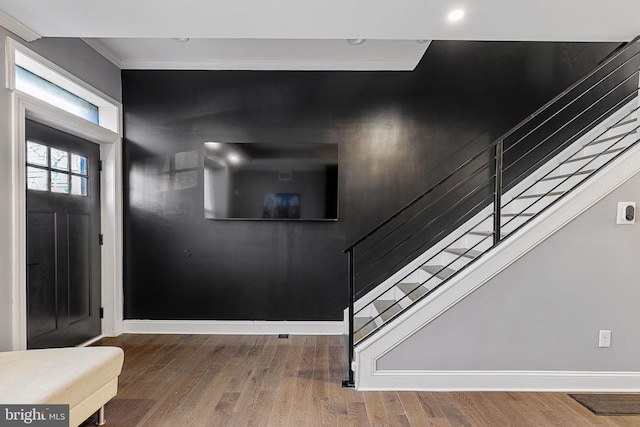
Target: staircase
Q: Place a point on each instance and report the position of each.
(489, 197)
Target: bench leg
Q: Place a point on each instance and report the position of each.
(101, 421)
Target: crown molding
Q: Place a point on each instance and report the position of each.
(103, 50)
(17, 27)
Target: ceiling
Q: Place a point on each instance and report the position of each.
(311, 34)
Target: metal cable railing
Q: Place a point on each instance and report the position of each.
(472, 194)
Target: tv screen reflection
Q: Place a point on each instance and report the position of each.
(271, 181)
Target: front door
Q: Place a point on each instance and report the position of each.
(63, 227)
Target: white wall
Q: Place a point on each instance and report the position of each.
(82, 61)
(543, 313)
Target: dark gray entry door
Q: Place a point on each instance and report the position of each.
(63, 227)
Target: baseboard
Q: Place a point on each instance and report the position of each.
(556, 381)
(232, 327)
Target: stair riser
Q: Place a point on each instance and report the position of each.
(396, 294)
(587, 163)
(455, 262)
(529, 205)
(628, 124)
(477, 243)
(510, 224)
(614, 143)
(561, 184)
(387, 309)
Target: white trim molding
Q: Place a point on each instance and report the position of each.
(558, 381)
(233, 327)
(103, 50)
(25, 107)
(18, 28)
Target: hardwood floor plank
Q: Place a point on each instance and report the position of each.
(286, 390)
(236, 381)
(376, 412)
(395, 411)
(305, 405)
(413, 409)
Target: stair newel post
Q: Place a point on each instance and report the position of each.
(497, 203)
(349, 382)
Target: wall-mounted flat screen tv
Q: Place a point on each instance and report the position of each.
(271, 181)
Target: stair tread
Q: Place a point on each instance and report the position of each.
(468, 253)
(412, 290)
(360, 335)
(362, 328)
(537, 196)
(481, 233)
(625, 122)
(591, 156)
(360, 322)
(387, 308)
(567, 175)
(518, 214)
(608, 138)
(440, 271)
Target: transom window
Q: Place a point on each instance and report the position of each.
(34, 75)
(37, 86)
(56, 171)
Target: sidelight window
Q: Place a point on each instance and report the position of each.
(56, 171)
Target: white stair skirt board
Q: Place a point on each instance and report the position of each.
(424, 312)
(222, 327)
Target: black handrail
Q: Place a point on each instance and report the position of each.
(497, 159)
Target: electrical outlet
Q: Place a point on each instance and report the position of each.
(604, 340)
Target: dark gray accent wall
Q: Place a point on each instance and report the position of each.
(398, 133)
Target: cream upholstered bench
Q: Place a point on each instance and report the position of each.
(85, 378)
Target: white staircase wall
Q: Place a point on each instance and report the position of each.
(527, 318)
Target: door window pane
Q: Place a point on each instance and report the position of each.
(37, 179)
(50, 177)
(78, 185)
(59, 182)
(78, 164)
(37, 154)
(59, 159)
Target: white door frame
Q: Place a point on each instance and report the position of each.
(27, 107)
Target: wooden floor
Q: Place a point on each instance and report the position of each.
(224, 380)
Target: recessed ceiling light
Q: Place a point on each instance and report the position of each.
(356, 42)
(455, 15)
